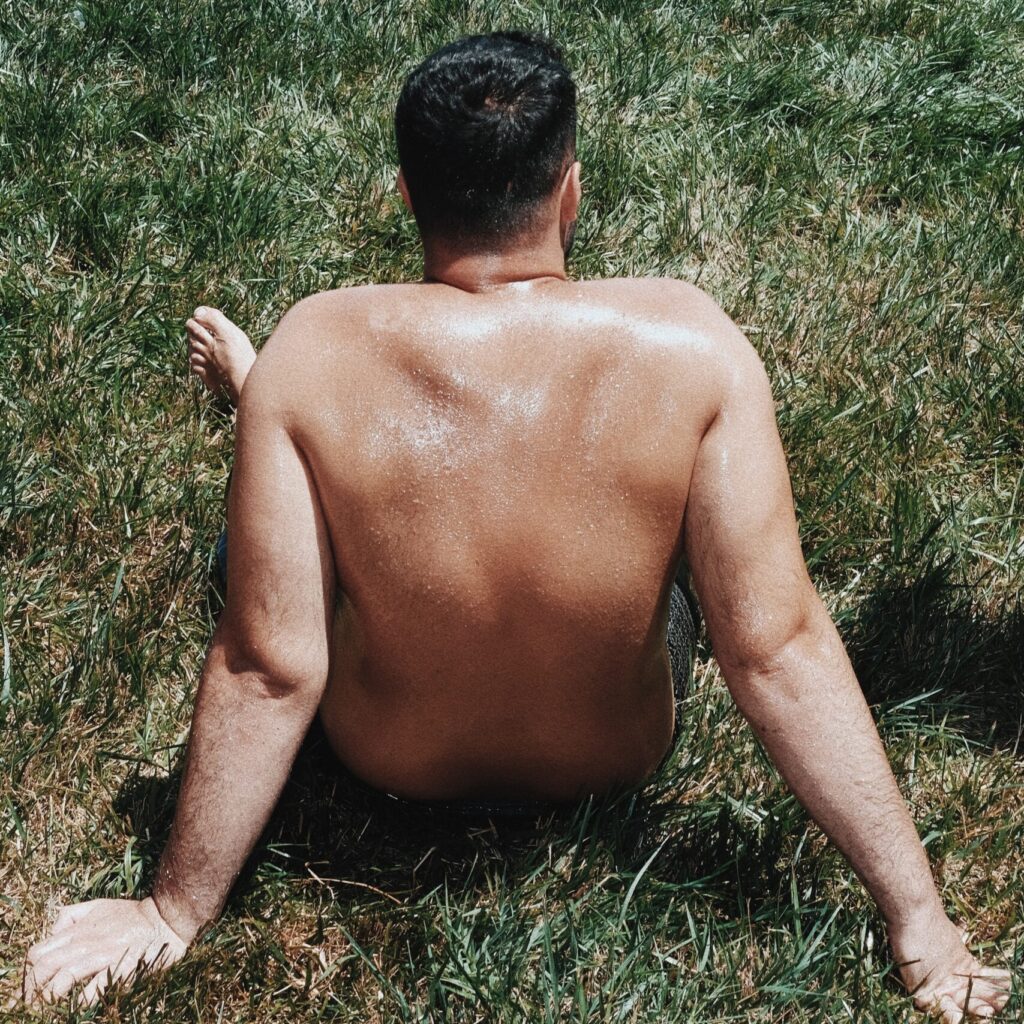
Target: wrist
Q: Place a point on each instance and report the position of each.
(176, 915)
(917, 917)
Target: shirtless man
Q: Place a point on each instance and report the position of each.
(457, 510)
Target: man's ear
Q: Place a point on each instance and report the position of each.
(569, 200)
(404, 189)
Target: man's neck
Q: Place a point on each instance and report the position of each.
(482, 270)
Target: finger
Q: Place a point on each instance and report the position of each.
(72, 913)
(112, 973)
(90, 995)
(65, 980)
(67, 967)
(163, 955)
(38, 992)
(955, 1008)
(199, 348)
(42, 962)
(951, 1013)
(987, 1003)
(988, 988)
(29, 984)
(976, 975)
(99, 984)
(44, 947)
(999, 974)
(197, 362)
(977, 990)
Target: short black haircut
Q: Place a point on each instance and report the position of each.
(485, 128)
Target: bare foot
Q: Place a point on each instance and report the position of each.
(944, 978)
(219, 352)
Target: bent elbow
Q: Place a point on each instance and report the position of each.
(279, 671)
(774, 653)
(291, 682)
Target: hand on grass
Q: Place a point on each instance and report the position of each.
(93, 944)
(943, 976)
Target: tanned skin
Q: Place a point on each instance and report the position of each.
(455, 516)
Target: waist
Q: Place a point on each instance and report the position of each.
(558, 750)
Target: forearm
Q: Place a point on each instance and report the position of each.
(807, 709)
(245, 734)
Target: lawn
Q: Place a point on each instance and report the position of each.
(845, 179)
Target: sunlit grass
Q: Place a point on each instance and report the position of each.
(846, 180)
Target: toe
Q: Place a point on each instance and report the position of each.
(201, 368)
(198, 350)
(223, 328)
(198, 333)
(213, 319)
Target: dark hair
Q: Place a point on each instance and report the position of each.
(485, 128)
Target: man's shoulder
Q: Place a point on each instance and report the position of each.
(337, 306)
(677, 313)
(309, 326)
(316, 345)
(651, 286)
(671, 296)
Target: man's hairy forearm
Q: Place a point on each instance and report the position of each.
(807, 709)
(246, 731)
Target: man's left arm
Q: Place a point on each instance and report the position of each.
(261, 684)
(785, 666)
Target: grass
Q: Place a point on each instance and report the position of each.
(845, 179)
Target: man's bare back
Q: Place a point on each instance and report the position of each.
(503, 476)
(495, 474)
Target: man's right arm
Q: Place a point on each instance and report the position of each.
(788, 672)
(261, 684)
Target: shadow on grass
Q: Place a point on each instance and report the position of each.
(934, 635)
(329, 826)
(905, 640)
(335, 824)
